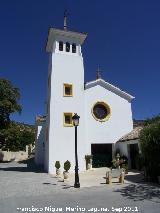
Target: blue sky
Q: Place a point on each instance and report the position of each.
(123, 39)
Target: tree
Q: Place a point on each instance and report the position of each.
(155, 119)
(150, 146)
(14, 136)
(9, 97)
(17, 136)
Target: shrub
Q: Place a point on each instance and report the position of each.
(67, 166)
(150, 147)
(122, 162)
(139, 161)
(115, 164)
(57, 164)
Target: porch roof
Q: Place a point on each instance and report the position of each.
(134, 134)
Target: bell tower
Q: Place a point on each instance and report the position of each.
(65, 97)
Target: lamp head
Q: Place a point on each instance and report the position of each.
(75, 119)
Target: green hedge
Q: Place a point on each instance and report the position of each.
(150, 147)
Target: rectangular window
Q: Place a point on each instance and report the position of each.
(68, 119)
(67, 90)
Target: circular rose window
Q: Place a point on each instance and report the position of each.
(101, 111)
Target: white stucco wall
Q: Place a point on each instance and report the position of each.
(66, 68)
(124, 149)
(123, 146)
(119, 123)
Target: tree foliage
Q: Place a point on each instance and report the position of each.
(9, 97)
(150, 146)
(155, 119)
(14, 136)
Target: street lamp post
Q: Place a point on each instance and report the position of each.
(76, 123)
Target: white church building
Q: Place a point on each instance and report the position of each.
(104, 109)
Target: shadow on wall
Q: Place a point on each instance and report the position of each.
(140, 192)
(1, 156)
(22, 166)
(39, 144)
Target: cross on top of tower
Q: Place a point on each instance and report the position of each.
(98, 75)
(65, 19)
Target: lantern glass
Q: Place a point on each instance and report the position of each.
(75, 119)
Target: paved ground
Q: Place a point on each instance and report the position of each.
(25, 187)
(96, 177)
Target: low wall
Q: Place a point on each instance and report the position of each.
(13, 156)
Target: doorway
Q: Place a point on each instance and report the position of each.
(102, 155)
(134, 152)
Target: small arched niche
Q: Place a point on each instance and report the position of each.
(74, 48)
(67, 47)
(60, 45)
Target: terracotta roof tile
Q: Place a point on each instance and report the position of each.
(134, 134)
